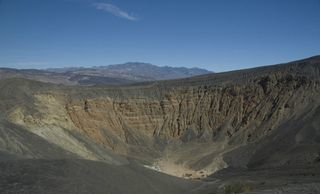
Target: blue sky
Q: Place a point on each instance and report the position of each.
(218, 35)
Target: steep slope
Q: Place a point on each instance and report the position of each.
(231, 108)
(241, 122)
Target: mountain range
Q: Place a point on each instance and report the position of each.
(127, 73)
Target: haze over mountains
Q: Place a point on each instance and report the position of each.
(112, 74)
(247, 131)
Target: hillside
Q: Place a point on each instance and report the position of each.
(258, 128)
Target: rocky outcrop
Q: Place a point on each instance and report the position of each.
(243, 112)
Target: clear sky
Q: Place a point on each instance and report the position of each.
(218, 35)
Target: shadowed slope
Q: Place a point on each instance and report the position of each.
(81, 176)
